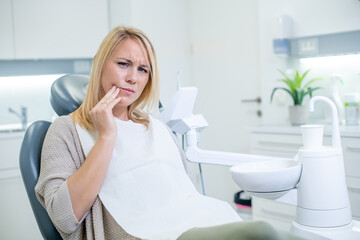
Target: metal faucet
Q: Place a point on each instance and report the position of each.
(22, 116)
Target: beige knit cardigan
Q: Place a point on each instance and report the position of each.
(61, 156)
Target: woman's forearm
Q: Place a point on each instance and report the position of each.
(84, 185)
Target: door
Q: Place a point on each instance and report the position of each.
(225, 70)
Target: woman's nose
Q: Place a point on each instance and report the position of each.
(131, 76)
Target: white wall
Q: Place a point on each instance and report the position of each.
(224, 57)
(309, 18)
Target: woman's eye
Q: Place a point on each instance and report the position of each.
(123, 64)
(143, 70)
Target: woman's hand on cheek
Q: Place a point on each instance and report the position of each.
(102, 115)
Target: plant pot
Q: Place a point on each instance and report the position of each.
(298, 114)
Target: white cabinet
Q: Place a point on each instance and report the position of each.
(278, 214)
(10, 144)
(6, 30)
(351, 149)
(120, 12)
(284, 142)
(56, 29)
(17, 220)
(277, 145)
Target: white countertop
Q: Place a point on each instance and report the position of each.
(4, 127)
(345, 131)
(10, 131)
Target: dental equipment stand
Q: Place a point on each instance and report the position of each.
(323, 209)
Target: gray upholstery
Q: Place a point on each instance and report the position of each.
(30, 167)
(67, 93)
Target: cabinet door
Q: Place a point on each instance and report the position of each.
(278, 145)
(59, 28)
(6, 30)
(17, 219)
(15, 207)
(278, 214)
(10, 144)
(351, 150)
(120, 12)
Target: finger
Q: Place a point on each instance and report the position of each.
(108, 102)
(108, 94)
(114, 94)
(113, 98)
(106, 99)
(114, 102)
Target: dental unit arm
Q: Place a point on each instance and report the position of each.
(178, 116)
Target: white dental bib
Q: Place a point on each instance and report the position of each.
(146, 188)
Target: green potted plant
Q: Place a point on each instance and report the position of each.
(298, 111)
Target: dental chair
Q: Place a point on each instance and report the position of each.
(67, 93)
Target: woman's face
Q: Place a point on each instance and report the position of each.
(128, 69)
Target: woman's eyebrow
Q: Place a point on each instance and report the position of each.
(144, 66)
(124, 59)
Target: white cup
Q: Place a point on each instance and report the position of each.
(312, 136)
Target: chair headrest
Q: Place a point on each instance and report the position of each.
(68, 92)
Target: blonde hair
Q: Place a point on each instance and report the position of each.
(148, 99)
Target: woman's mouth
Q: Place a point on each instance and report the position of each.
(127, 90)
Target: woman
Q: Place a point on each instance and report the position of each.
(124, 79)
(88, 183)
